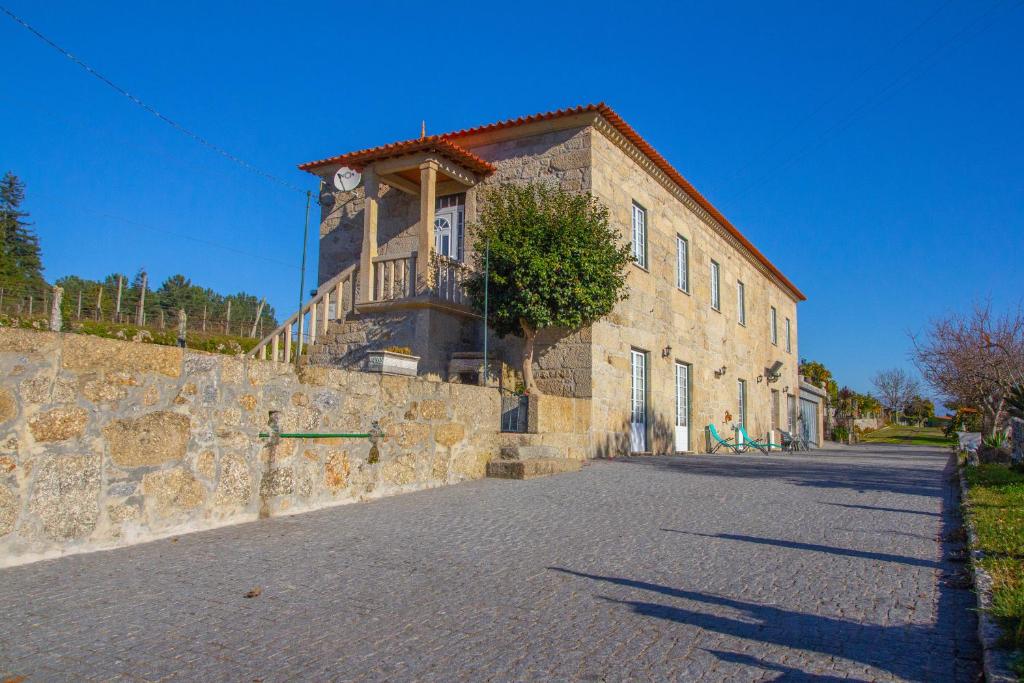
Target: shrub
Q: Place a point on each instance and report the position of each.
(405, 350)
(840, 434)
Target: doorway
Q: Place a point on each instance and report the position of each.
(638, 403)
(682, 434)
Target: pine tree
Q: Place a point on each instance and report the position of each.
(20, 257)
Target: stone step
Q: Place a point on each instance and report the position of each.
(529, 451)
(530, 468)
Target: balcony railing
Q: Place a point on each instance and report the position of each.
(332, 300)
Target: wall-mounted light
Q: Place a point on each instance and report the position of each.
(720, 372)
(760, 378)
(666, 352)
(785, 390)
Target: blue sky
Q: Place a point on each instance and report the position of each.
(873, 150)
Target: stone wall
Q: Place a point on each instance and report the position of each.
(106, 443)
(659, 318)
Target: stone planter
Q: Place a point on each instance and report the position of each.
(391, 363)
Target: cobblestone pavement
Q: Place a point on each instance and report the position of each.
(826, 567)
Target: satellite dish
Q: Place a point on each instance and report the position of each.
(346, 179)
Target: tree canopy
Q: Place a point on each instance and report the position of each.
(20, 260)
(554, 262)
(176, 292)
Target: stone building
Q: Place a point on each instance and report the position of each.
(707, 335)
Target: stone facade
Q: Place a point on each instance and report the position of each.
(105, 443)
(585, 153)
(563, 358)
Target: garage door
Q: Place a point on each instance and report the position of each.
(809, 421)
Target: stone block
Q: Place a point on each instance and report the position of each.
(8, 405)
(172, 491)
(322, 376)
(235, 485)
(104, 391)
(28, 342)
(59, 424)
(277, 482)
(570, 160)
(65, 496)
(400, 471)
(9, 507)
(531, 468)
(449, 434)
(83, 352)
(431, 409)
(206, 465)
(409, 434)
(151, 439)
(336, 470)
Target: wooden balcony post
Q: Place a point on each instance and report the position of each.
(371, 199)
(312, 323)
(428, 203)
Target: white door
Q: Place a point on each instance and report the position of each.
(638, 412)
(682, 407)
(809, 421)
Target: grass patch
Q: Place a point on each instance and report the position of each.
(908, 436)
(201, 341)
(996, 506)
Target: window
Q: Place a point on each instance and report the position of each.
(789, 338)
(640, 235)
(741, 416)
(716, 298)
(741, 303)
(775, 326)
(682, 263)
(450, 226)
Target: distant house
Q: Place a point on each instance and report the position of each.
(707, 318)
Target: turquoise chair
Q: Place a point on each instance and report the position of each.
(716, 442)
(759, 445)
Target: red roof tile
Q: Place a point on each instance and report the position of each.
(433, 143)
(615, 121)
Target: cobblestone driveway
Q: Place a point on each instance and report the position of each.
(713, 568)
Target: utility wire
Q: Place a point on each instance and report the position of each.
(149, 108)
(914, 71)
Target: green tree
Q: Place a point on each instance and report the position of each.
(554, 262)
(919, 408)
(20, 257)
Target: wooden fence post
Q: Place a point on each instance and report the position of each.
(55, 317)
(259, 312)
(117, 306)
(182, 325)
(227, 323)
(140, 319)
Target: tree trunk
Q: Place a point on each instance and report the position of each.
(529, 337)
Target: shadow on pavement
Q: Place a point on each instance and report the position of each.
(830, 472)
(906, 650)
(832, 550)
